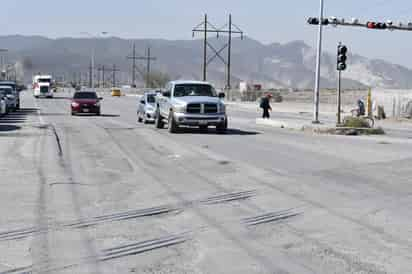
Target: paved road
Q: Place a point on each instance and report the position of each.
(108, 195)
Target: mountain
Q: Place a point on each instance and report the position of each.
(289, 65)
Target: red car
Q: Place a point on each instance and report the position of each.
(85, 102)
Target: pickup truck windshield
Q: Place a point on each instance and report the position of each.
(6, 91)
(194, 90)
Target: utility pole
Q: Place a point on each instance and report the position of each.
(134, 66)
(205, 50)
(318, 64)
(229, 29)
(98, 76)
(91, 75)
(113, 71)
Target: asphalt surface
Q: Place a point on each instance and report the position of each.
(108, 195)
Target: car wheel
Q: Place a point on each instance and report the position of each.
(222, 128)
(159, 122)
(173, 126)
(139, 118)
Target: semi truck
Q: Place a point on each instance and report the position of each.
(42, 86)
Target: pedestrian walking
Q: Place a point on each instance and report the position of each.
(265, 105)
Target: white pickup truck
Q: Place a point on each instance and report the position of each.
(190, 103)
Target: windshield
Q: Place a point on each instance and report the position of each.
(12, 86)
(151, 98)
(194, 90)
(85, 95)
(6, 91)
(44, 80)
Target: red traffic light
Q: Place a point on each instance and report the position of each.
(371, 25)
(376, 25)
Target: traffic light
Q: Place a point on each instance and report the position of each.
(315, 21)
(342, 58)
(376, 25)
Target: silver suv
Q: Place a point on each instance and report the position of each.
(190, 103)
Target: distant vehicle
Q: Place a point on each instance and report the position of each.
(15, 89)
(190, 103)
(116, 92)
(11, 99)
(42, 86)
(146, 107)
(85, 102)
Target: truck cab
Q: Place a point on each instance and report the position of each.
(42, 86)
(190, 103)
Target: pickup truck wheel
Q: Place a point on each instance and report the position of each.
(158, 122)
(222, 128)
(173, 126)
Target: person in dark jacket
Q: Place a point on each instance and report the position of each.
(265, 105)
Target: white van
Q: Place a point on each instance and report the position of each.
(42, 86)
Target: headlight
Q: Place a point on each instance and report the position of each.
(180, 108)
(74, 104)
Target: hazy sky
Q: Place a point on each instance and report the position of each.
(264, 20)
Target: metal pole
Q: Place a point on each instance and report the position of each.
(229, 53)
(148, 68)
(205, 52)
(103, 78)
(134, 66)
(92, 68)
(318, 64)
(114, 75)
(339, 98)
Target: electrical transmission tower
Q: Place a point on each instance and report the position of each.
(230, 29)
(101, 69)
(113, 70)
(148, 58)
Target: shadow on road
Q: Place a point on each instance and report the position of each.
(5, 128)
(109, 115)
(231, 131)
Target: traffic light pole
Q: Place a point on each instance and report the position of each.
(318, 64)
(339, 122)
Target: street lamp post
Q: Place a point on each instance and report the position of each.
(318, 64)
(93, 54)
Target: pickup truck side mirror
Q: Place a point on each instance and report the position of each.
(142, 102)
(100, 98)
(222, 95)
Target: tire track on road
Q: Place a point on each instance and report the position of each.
(126, 215)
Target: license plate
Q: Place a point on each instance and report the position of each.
(85, 110)
(203, 123)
